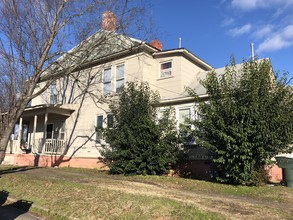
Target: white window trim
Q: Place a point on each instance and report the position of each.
(60, 130)
(53, 94)
(193, 114)
(160, 70)
(100, 142)
(107, 82)
(119, 79)
(104, 125)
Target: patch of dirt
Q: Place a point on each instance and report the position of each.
(228, 206)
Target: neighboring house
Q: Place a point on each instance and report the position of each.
(59, 127)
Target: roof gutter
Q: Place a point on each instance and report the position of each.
(142, 47)
(180, 100)
(187, 54)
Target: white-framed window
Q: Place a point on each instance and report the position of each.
(103, 121)
(110, 121)
(166, 69)
(184, 114)
(24, 130)
(99, 126)
(54, 94)
(107, 87)
(119, 77)
(62, 130)
(15, 131)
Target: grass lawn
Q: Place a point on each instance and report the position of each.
(67, 193)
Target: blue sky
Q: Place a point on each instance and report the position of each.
(216, 29)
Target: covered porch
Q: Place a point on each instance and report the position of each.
(40, 130)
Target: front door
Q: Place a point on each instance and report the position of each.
(50, 131)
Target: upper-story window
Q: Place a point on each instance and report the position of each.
(119, 77)
(54, 94)
(107, 81)
(166, 69)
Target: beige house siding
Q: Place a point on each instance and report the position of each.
(80, 126)
(172, 85)
(189, 72)
(41, 99)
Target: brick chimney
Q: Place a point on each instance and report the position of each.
(109, 21)
(157, 44)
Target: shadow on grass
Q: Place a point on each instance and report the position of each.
(13, 210)
(3, 197)
(16, 170)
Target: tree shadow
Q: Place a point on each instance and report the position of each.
(16, 169)
(14, 210)
(3, 196)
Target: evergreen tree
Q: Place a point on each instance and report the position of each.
(140, 143)
(246, 121)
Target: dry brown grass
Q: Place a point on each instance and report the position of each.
(90, 194)
(62, 194)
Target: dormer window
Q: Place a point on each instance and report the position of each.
(166, 69)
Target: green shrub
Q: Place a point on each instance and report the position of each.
(246, 121)
(140, 143)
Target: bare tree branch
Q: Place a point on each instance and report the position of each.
(36, 37)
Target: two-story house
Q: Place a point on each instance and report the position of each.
(59, 128)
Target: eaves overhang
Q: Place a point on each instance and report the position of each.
(182, 100)
(185, 53)
(143, 47)
(47, 109)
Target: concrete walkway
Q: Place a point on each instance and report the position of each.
(11, 213)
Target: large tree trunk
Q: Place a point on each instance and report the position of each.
(5, 136)
(4, 143)
(33, 40)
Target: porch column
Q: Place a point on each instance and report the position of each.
(19, 135)
(35, 148)
(45, 132)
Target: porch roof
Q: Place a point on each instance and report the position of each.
(50, 109)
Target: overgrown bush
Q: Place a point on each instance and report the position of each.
(246, 121)
(139, 142)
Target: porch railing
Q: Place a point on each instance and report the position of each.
(55, 146)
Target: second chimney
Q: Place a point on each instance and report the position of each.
(109, 21)
(157, 44)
